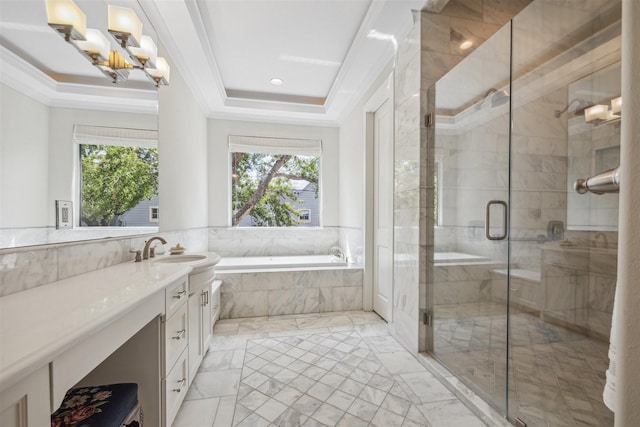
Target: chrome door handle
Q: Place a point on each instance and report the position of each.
(487, 222)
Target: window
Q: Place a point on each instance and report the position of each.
(305, 216)
(153, 214)
(118, 176)
(273, 181)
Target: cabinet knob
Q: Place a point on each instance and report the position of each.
(180, 335)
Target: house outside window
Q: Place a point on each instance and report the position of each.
(274, 181)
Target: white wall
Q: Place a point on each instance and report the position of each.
(183, 158)
(219, 174)
(353, 160)
(23, 160)
(64, 155)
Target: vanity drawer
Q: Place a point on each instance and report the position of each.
(202, 278)
(175, 295)
(174, 388)
(175, 337)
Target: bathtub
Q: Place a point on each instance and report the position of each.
(298, 262)
(277, 285)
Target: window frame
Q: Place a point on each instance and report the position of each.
(263, 141)
(113, 136)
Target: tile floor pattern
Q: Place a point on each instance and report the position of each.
(329, 369)
(556, 376)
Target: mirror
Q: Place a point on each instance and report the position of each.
(46, 88)
(592, 149)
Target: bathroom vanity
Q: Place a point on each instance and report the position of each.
(127, 323)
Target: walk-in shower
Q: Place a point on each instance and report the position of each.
(526, 322)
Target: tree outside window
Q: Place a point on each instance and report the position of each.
(265, 187)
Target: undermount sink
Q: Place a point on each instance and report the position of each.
(180, 258)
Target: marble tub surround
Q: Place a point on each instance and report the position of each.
(29, 267)
(341, 369)
(272, 241)
(290, 292)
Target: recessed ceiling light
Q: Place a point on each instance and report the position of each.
(276, 82)
(466, 44)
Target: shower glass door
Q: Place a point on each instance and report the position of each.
(470, 263)
(566, 60)
(524, 268)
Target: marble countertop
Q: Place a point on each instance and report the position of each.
(41, 323)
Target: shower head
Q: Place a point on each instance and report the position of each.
(498, 98)
(579, 111)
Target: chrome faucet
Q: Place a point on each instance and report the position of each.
(594, 243)
(145, 252)
(337, 252)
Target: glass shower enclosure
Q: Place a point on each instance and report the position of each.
(524, 268)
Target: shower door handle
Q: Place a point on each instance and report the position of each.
(487, 222)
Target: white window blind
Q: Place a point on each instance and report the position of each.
(103, 135)
(255, 144)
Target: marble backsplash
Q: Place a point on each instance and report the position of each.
(29, 267)
(257, 241)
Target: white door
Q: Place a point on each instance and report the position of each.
(383, 211)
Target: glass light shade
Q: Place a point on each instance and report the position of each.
(125, 25)
(146, 53)
(161, 73)
(597, 112)
(96, 45)
(616, 105)
(66, 17)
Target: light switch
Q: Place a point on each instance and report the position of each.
(64, 215)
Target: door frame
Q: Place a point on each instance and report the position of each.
(382, 94)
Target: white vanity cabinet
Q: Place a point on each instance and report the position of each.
(27, 403)
(175, 343)
(200, 315)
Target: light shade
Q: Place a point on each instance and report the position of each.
(125, 26)
(146, 54)
(97, 46)
(161, 73)
(616, 105)
(597, 112)
(67, 18)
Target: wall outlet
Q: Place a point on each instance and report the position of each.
(64, 214)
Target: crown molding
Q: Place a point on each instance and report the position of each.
(25, 78)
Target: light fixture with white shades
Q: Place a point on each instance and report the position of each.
(604, 113)
(126, 28)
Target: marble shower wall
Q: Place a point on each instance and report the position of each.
(427, 53)
(29, 267)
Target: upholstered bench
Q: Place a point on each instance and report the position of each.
(112, 405)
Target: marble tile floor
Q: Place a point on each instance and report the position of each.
(325, 369)
(556, 376)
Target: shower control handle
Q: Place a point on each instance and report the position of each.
(487, 222)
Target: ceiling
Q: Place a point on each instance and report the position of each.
(326, 52)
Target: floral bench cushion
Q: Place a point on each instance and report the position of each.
(99, 406)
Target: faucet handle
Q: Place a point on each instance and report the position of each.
(138, 255)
